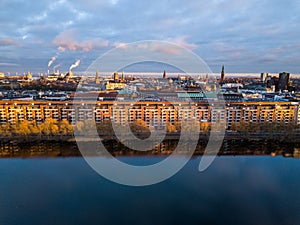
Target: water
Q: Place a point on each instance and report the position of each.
(234, 190)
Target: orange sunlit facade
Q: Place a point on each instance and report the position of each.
(154, 113)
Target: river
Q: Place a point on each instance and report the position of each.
(58, 187)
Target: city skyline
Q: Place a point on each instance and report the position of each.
(252, 36)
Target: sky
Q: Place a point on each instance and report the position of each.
(246, 36)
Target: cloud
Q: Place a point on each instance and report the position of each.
(268, 59)
(164, 49)
(167, 49)
(172, 48)
(122, 45)
(9, 42)
(154, 47)
(9, 64)
(66, 40)
(182, 41)
(240, 31)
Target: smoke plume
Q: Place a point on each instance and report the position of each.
(74, 65)
(55, 67)
(52, 60)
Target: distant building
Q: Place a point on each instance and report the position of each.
(116, 76)
(222, 74)
(263, 77)
(52, 77)
(130, 89)
(114, 85)
(123, 77)
(272, 82)
(164, 75)
(283, 81)
(97, 80)
(196, 96)
(29, 75)
(230, 96)
(69, 74)
(2, 75)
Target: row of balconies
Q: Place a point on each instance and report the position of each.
(232, 114)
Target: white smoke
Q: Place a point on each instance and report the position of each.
(55, 67)
(74, 65)
(52, 60)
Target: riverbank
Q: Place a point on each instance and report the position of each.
(283, 137)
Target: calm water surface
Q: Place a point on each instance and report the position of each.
(234, 190)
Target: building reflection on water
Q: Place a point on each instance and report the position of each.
(11, 149)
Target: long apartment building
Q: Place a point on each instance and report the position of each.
(154, 113)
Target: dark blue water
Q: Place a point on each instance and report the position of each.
(234, 190)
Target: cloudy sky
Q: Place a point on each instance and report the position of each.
(245, 35)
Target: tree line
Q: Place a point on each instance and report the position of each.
(52, 127)
(275, 126)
